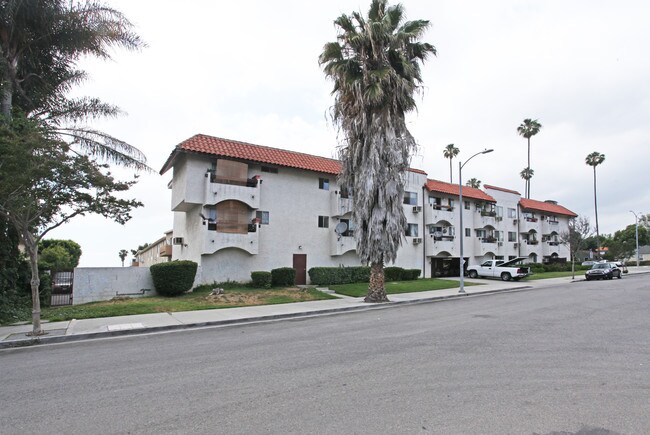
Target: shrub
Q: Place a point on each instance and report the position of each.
(393, 273)
(339, 275)
(173, 278)
(283, 276)
(410, 274)
(261, 279)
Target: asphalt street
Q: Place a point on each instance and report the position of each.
(561, 360)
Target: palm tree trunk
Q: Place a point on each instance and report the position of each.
(376, 289)
(596, 211)
(528, 180)
(451, 178)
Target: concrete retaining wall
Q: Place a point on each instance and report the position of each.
(93, 284)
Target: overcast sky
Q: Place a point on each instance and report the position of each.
(248, 71)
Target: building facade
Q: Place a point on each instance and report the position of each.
(240, 208)
(159, 251)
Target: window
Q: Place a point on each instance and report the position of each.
(499, 236)
(499, 210)
(481, 233)
(212, 218)
(451, 202)
(467, 207)
(324, 183)
(346, 192)
(511, 257)
(468, 232)
(411, 198)
(512, 213)
(323, 221)
(412, 230)
(270, 169)
(512, 236)
(263, 216)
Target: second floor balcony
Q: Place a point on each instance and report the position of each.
(342, 243)
(340, 205)
(221, 235)
(218, 190)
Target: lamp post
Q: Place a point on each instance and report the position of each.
(461, 207)
(636, 234)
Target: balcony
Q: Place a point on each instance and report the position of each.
(530, 248)
(245, 238)
(218, 190)
(550, 226)
(339, 245)
(483, 245)
(550, 247)
(166, 251)
(339, 206)
(437, 213)
(438, 244)
(528, 224)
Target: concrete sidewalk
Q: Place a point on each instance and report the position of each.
(74, 330)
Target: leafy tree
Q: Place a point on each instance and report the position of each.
(50, 251)
(528, 129)
(375, 67)
(123, 254)
(40, 45)
(450, 152)
(575, 238)
(43, 185)
(474, 182)
(594, 159)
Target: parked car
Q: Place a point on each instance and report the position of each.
(603, 270)
(588, 263)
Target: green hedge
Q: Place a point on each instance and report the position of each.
(347, 275)
(173, 278)
(555, 267)
(283, 276)
(338, 275)
(261, 279)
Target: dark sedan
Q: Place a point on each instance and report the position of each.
(603, 271)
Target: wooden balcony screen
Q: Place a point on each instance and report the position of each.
(232, 217)
(230, 172)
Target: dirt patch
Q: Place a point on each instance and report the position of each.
(250, 298)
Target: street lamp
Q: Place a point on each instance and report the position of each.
(636, 233)
(461, 207)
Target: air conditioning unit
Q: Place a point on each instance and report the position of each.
(417, 240)
(516, 245)
(417, 208)
(177, 241)
(514, 221)
(499, 218)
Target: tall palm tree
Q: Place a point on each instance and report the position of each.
(123, 254)
(375, 67)
(528, 129)
(41, 43)
(594, 159)
(527, 174)
(450, 152)
(474, 182)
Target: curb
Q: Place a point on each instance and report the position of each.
(41, 340)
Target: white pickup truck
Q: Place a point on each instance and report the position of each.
(499, 269)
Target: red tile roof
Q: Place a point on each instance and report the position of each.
(216, 146)
(452, 189)
(547, 207)
(487, 186)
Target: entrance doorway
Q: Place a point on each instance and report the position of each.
(446, 266)
(300, 265)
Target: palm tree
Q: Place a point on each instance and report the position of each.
(123, 254)
(474, 182)
(594, 159)
(375, 67)
(527, 174)
(41, 43)
(528, 129)
(450, 152)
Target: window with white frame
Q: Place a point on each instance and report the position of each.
(512, 213)
(412, 230)
(323, 221)
(411, 198)
(512, 236)
(263, 216)
(324, 183)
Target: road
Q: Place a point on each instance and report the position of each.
(562, 360)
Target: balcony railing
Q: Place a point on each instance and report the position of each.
(166, 251)
(232, 227)
(250, 182)
(487, 213)
(442, 207)
(442, 238)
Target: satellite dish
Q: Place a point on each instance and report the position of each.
(437, 234)
(340, 228)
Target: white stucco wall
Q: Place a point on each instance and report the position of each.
(93, 284)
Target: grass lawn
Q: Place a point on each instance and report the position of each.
(419, 285)
(545, 275)
(197, 300)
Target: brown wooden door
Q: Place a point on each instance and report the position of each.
(300, 264)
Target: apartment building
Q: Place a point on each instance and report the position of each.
(159, 251)
(240, 207)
